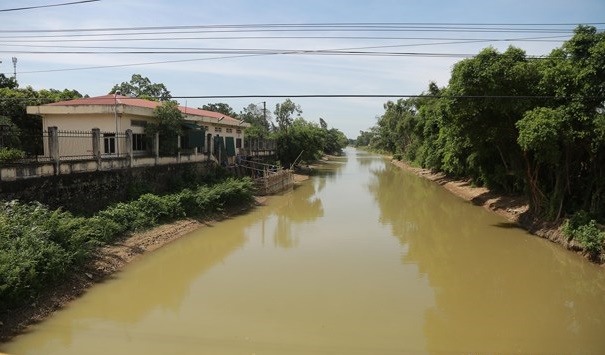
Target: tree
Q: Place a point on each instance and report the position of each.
(141, 87)
(302, 137)
(169, 121)
(323, 123)
(485, 119)
(285, 112)
(220, 107)
(259, 118)
(334, 141)
(9, 83)
(364, 139)
(563, 140)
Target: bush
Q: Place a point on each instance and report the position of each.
(9, 154)
(29, 257)
(39, 246)
(586, 231)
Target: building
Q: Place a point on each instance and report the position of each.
(114, 115)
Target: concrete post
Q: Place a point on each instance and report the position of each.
(128, 143)
(156, 147)
(178, 149)
(96, 146)
(53, 147)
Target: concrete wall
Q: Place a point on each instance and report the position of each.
(90, 191)
(14, 172)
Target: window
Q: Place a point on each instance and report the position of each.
(238, 143)
(109, 143)
(239, 131)
(138, 123)
(218, 129)
(139, 142)
(229, 130)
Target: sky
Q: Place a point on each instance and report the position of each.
(288, 62)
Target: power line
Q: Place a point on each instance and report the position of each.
(345, 26)
(387, 96)
(45, 6)
(327, 96)
(64, 38)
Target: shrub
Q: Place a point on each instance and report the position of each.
(586, 231)
(39, 246)
(9, 154)
(29, 257)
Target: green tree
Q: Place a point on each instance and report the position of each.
(485, 118)
(13, 104)
(302, 137)
(334, 141)
(220, 107)
(259, 118)
(363, 139)
(169, 121)
(563, 140)
(141, 87)
(9, 83)
(285, 114)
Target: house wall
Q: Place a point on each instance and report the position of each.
(108, 117)
(105, 122)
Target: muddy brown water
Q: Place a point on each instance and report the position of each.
(363, 258)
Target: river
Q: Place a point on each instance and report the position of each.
(363, 258)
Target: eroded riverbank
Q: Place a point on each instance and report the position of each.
(513, 208)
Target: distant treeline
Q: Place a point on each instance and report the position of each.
(515, 124)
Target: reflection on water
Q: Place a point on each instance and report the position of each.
(361, 259)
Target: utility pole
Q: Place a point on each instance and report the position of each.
(15, 68)
(265, 110)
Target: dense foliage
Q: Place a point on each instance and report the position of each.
(13, 104)
(39, 246)
(141, 87)
(515, 124)
(168, 124)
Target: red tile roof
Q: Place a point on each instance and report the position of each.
(111, 99)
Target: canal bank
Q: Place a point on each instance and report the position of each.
(513, 208)
(109, 260)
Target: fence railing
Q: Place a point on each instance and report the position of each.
(55, 152)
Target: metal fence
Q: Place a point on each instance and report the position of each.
(30, 144)
(67, 145)
(55, 145)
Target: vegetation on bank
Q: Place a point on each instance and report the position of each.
(40, 246)
(518, 125)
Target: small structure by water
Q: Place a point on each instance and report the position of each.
(268, 179)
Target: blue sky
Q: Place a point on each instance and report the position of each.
(277, 74)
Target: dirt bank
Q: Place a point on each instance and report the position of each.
(110, 259)
(513, 208)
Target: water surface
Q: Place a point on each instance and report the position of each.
(361, 259)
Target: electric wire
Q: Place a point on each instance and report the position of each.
(327, 26)
(46, 6)
(229, 53)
